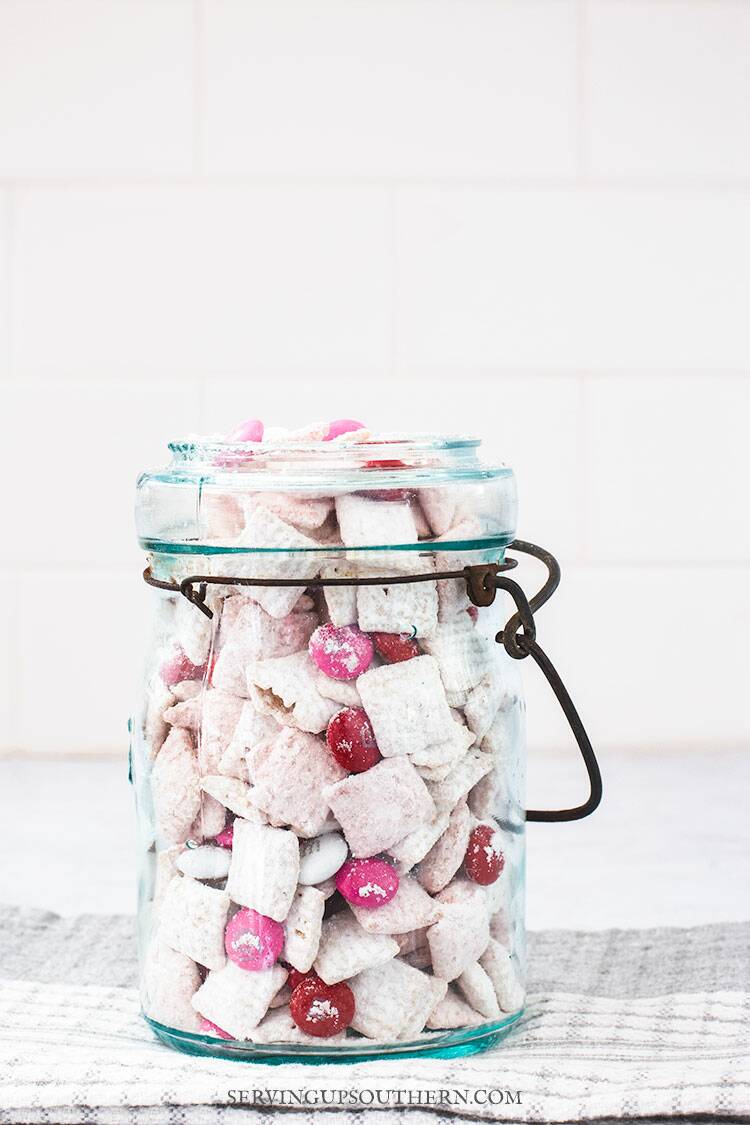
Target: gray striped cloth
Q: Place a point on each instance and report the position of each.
(621, 1025)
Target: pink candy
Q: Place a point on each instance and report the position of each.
(212, 1029)
(342, 426)
(367, 882)
(226, 837)
(342, 653)
(252, 940)
(251, 430)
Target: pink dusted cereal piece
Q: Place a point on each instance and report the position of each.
(342, 652)
(441, 506)
(253, 728)
(501, 968)
(416, 844)
(255, 635)
(388, 998)
(378, 807)
(210, 819)
(464, 655)
(170, 979)
(209, 1028)
(406, 705)
(346, 949)
(193, 917)
(408, 608)
(236, 1000)
(165, 871)
(285, 689)
(410, 909)
(342, 426)
(186, 716)
(155, 728)
(412, 940)
(458, 938)
(265, 868)
(462, 778)
(452, 1012)
(478, 990)
(343, 692)
(423, 1007)
(175, 786)
(366, 523)
(233, 794)
(303, 512)
(446, 753)
(225, 838)
(485, 797)
(206, 862)
(186, 689)
(194, 633)
(444, 859)
(367, 883)
(287, 558)
(303, 928)
(292, 773)
(252, 940)
(219, 717)
(220, 516)
(341, 601)
(250, 430)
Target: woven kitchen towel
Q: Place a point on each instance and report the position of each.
(620, 1025)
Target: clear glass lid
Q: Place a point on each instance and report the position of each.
(432, 492)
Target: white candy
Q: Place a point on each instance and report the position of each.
(320, 858)
(205, 862)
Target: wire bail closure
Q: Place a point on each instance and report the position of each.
(482, 583)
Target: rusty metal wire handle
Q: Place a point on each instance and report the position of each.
(519, 640)
(482, 582)
(195, 586)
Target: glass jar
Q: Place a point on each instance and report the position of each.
(329, 754)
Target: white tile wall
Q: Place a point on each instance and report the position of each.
(96, 86)
(397, 88)
(81, 642)
(525, 218)
(669, 88)
(568, 279)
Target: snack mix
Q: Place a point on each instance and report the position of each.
(329, 778)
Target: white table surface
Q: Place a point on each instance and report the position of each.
(669, 845)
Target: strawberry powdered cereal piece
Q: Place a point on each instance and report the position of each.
(343, 653)
(329, 777)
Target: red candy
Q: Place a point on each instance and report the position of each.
(351, 740)
(322, 1009)
(178, 668)
(225, 838)
(367, 882)
(343, 653)
(252, 940)
(213, 1029)
(295, 977)
(395, 647)
(483, 861)
(473, 613)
